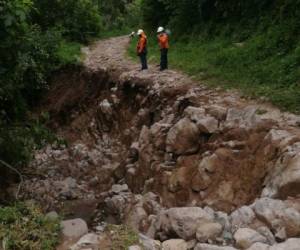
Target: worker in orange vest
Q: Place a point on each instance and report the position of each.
(141, 48)
(163, 40)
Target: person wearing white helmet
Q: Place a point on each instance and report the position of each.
(141, 48)
(163, 41)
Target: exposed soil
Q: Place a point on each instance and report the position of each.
(157, 132)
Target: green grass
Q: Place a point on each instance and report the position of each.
(256, 67)
(122, 237)
(24, 227)
(69, 53)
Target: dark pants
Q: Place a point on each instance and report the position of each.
(143, 57)
(163, 59)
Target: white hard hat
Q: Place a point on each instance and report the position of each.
(140, 31)
(160, 29)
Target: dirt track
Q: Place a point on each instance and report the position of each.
(111, 54)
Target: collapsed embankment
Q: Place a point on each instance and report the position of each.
(139, 148)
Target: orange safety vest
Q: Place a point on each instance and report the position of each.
(163, 40)
(142, 43)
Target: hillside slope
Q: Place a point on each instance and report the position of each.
(159, 151)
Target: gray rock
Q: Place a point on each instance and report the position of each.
(209, 163)
(119, 188)
(208, 125)
(74, 229)
(217, 111)
(137, 217)
(184, 222)
(246, 237)
(287, 182)
(224, 220)
(175, 245)
(183, 138)
(283, 180)
(149, 244)
(243, 217)
(278, 215)
(194, 114)
(87, 241)
(266, 232)
(208, 231)
(242, 118)
(68, 188)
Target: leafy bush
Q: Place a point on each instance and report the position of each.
(24, 227)
(78, 19)
(120, 16)
(36, 41)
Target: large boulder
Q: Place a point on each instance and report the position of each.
(242, 217)
(284, 178)
(243, 118)
(279, 216)
(246, 237)
(205, 123)
(208, 231)
(217, 111)
(74, 229)
(208, 124)
(175, 245)
(183, 222)
(210, 163)
(159, 133)
(194, 113)
(183, 138)
(284, 181)
(266, 232)
(290, 179)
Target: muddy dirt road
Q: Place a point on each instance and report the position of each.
(162, 154)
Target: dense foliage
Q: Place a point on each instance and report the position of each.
(24, 227)
(251, 44)
(39, 37)
(233, 18)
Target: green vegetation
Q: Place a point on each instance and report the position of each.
(252, 45)
(122, 237)
(220, 62)
(39, 37)
(24, 227)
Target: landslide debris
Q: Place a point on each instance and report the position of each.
(169, 158)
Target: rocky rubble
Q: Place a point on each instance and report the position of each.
(180, 163)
